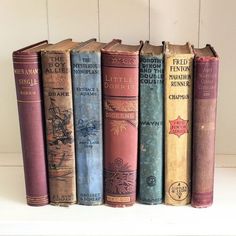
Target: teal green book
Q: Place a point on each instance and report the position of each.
(87, 94)
(151, 125)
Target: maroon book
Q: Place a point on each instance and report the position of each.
(204, 125)
(27, 71)
(120, 110)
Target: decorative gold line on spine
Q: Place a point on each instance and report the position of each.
(43, 196)
(28, 101)
(37, 200)
(27, 63)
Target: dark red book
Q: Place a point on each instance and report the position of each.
(27, 71)
(120, 75)
(206, 65)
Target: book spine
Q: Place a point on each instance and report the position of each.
(204, 123)
(60, 127)
(27, 71)
(178, 123)
(151, 130)
(120, 101)
(86, 73)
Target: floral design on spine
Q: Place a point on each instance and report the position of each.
(120, 180)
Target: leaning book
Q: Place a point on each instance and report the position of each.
(28, 80)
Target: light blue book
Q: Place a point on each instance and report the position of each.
(151, 125)
(87, 94)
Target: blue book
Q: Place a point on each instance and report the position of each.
(151, 125)
(87, 94)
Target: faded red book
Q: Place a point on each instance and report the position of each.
(27, 71)
(120, 70)
(204, 125)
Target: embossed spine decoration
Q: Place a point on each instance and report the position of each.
(86, 74)
(151, 125)
(204, 122)
(27, 71)
(178, 122)
(59, 123)
(120, 100)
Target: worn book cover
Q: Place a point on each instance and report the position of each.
(120, 74)
(178, 122)
(59, 122)
(151, 124)
(87, 93)
(206, 64)
(28, 80)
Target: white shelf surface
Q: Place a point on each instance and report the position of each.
(16, 218)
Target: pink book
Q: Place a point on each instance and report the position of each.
(27, 71)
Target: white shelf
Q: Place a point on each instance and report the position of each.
(16, 218)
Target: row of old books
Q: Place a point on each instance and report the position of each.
(109, 122)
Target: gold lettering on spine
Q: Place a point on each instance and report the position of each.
(118, 82)
(28, 82)
(26, 71)
(27, 93)
(118, 199)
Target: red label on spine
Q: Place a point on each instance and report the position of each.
(179, 126)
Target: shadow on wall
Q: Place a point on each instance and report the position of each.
(9, 125)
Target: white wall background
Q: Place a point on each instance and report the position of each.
(23, 22)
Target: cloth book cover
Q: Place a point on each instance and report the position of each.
(59, 119)
(206, 64)
(178, 122)
(28, 80)
(87, 93)
(120, 75)
(151, 124)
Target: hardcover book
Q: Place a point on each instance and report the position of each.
(120, 74)
(59, 122)
(206, 65)
(178, 122)
(87, 93)
(151, 124)
(27, 71)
